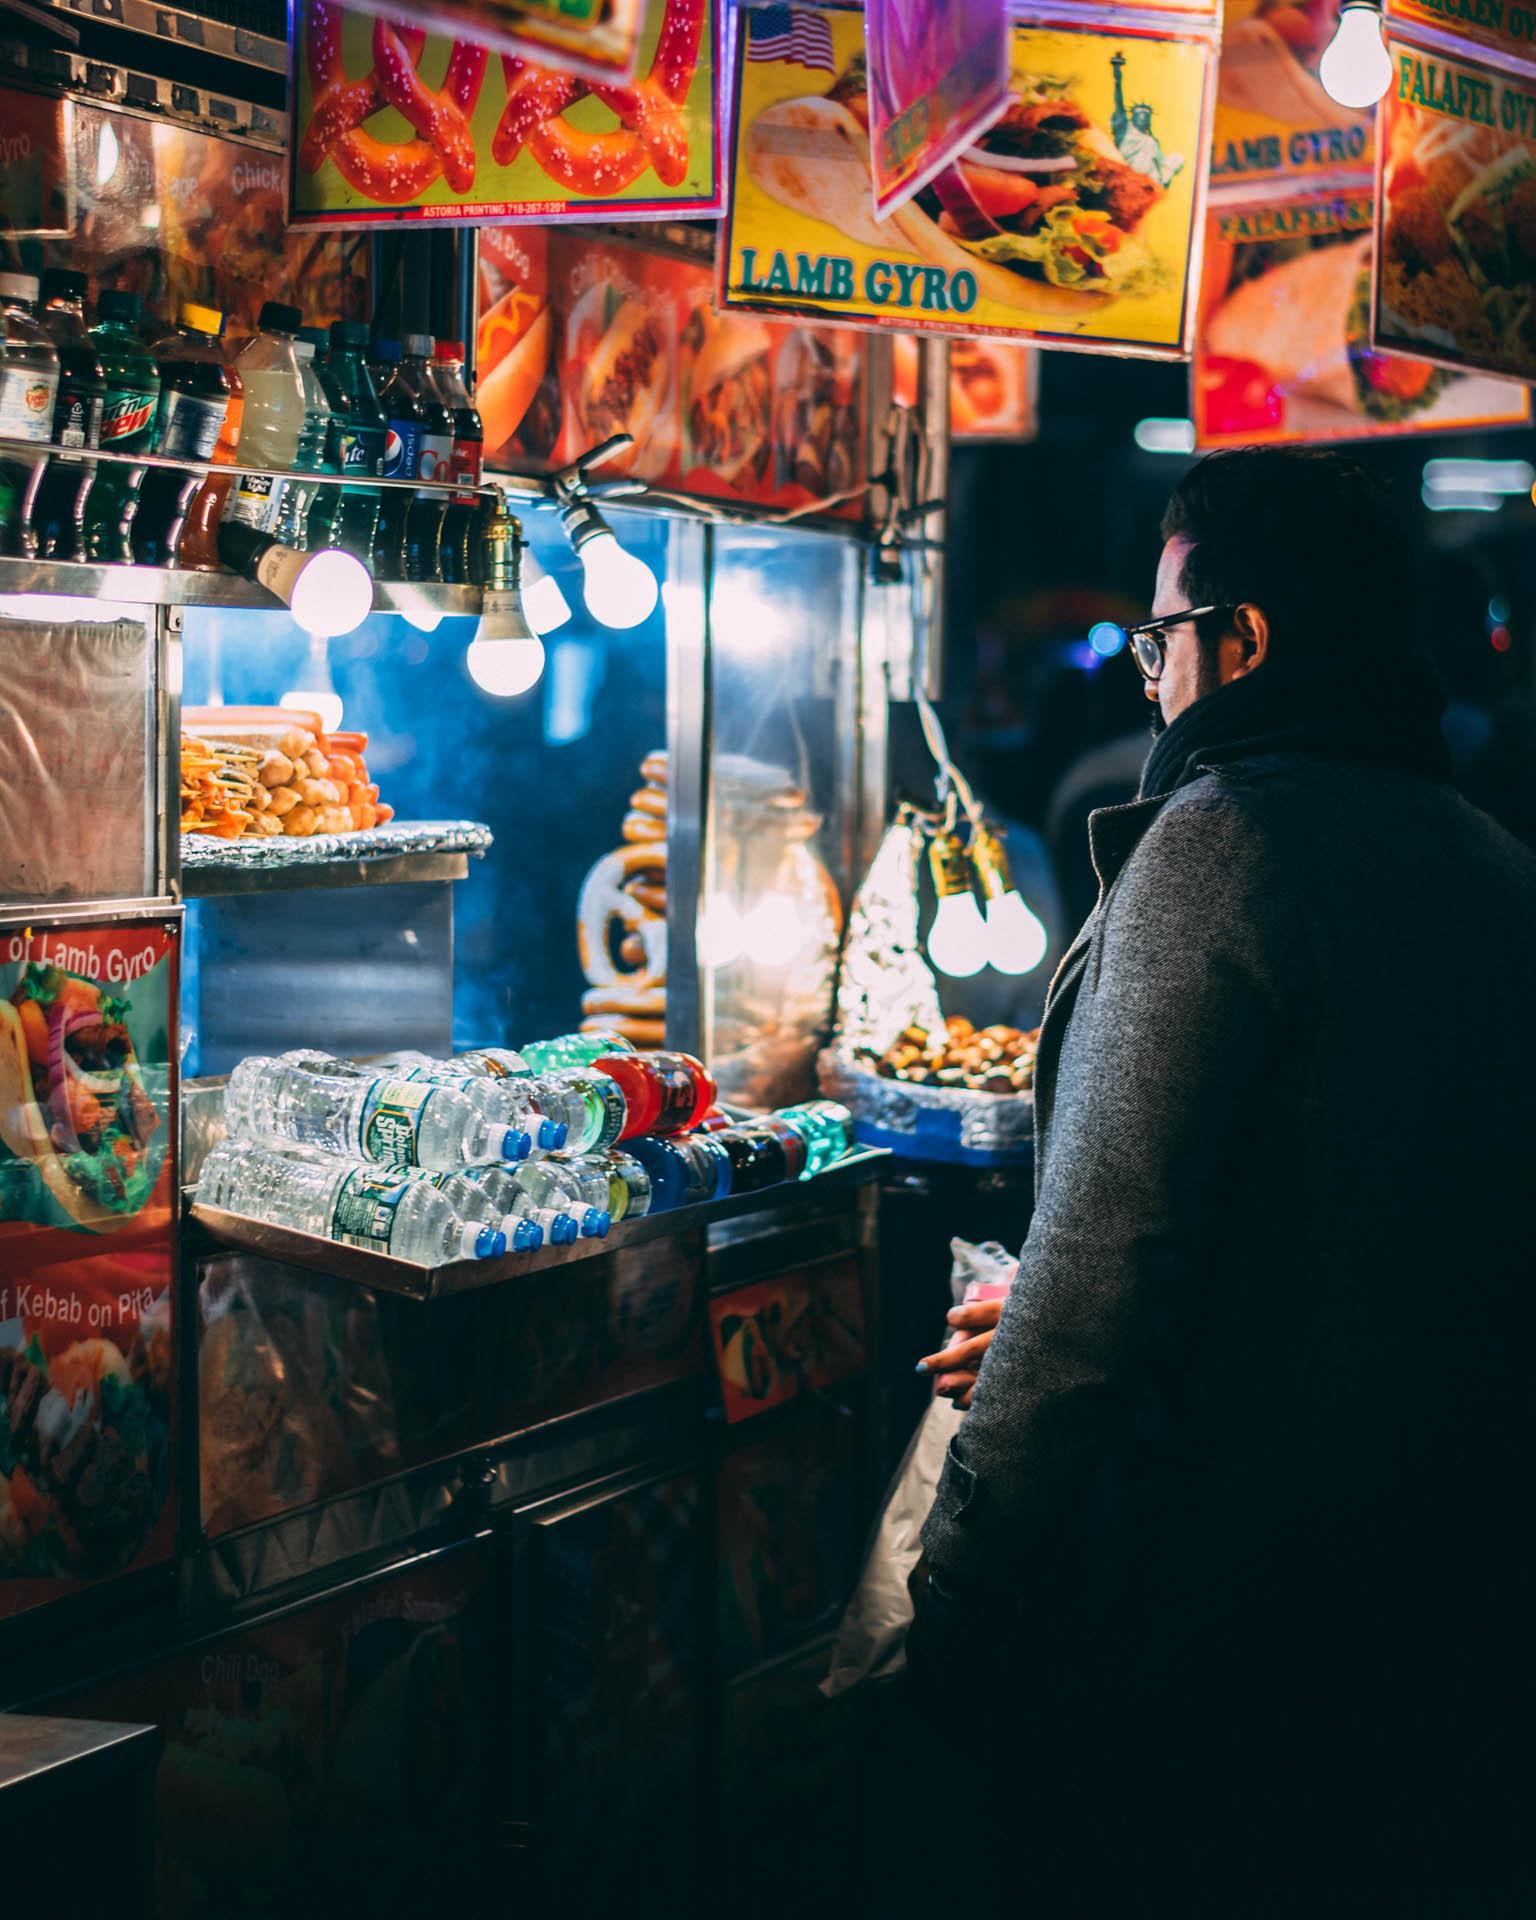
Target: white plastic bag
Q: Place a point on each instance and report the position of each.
(872, 1635)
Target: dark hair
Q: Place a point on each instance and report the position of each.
(1310, 537)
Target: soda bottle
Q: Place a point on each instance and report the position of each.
(826, 1128)
(757, 1155)
(434, 461)
(359, 440)
(199, 546)
(683, 1173)
(195, 389)
(58, 504)
(552, 1186)
(573, 1050)
(460, 521)
(299, 503)
(404, 421)
(127, 425)
(273, 418)
(29, 381)
(663, 1092)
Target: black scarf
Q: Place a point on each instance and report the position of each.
(1388, 719)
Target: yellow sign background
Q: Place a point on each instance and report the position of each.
(1171, 74)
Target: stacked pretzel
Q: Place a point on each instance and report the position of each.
(621, 920)
(652, 130)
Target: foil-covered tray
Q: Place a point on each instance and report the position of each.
(952, 1124)
(395, 837)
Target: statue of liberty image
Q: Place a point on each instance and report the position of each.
(1139, 145)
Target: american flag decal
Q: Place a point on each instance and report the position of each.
(790, 33)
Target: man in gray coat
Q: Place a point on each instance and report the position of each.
(1227, 1557)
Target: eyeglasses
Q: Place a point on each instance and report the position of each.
(1149, 639)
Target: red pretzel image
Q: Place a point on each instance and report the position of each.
(390, 171)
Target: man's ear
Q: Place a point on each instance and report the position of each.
(1245, 645)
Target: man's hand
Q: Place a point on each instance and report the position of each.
(956, 1367)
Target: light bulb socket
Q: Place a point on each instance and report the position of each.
(991, 863)
(247, 551)
(950, 866)
(501, 547)
(583, 523)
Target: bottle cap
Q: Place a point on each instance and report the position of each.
(388, 351)
(117, 304)
(448, 350)
(63, 283)
(523, 1236)
(18, 286)
(305, 349)
(419, 344)
(276, 317)
(552, 1135)
(595, 1223)
(350, 335)
(201, 319)
(483, 1243)
(515, 1145)
(563, 1231)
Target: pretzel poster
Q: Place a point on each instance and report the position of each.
(580, 337)
(597, 38)
(1456, 214)
(1273, 119)
(1074, 220)
(392, 123)
(1283, 350)
(87, 1253)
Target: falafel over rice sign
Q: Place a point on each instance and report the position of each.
(1456, 214)
(1073, 220)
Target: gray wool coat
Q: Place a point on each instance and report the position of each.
(1260, 1396)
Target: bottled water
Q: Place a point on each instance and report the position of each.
(383, 1209)
(471, 1199)
(513, 1101)
(499, 1063)
(552, 1184)
(509, 1200)
(613, 1182)
(400, 1122)
(273, 422)
(308, 456)
(591, 1104)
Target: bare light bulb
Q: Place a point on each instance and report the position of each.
(543, 602)
(957, 940)
(1356, 68)
(620, 591)
(332, 594)
(1016, 938)
(774, 932)
(721, 933)
(505, 667)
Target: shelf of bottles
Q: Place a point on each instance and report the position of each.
(182, 587)
(388, 1275)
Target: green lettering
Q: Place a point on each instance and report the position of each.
(778, 280)
(811, 275)
(877, 283)
(842, 279)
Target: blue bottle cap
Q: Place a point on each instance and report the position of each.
(595, 1224)
(562, 1134)
(515, 1144)
(491, 1244)
(551, 1136)
(527, 1237)
(563, 1231)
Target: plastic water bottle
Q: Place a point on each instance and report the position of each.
(400, 1122)
(827, 1129)
(383, 1209)
(298, 500)
(552, 1184)
(573, 1050)
(274, 415)
(616, 1181)
(29, 384)
(510, 1200)
(591, 1104)
(496, 1063)
(471, 1200)
(512, 1102)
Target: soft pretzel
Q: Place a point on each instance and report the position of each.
(641, 1032)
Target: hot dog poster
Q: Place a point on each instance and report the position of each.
(392, 123)
(581, 337)
(1456, 218)
(1273, 119)
(1283, 350)
(994, 387)
(87, 1223)
(1075, 219)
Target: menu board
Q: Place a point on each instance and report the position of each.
(1075, 219)
(87, 1253)
(1456, 219)
(391, 123)
(596, 37)
(994, 387)
(1283, 349)
(1498, 25)
(938, 72)
(580, 338)
(1273, 119)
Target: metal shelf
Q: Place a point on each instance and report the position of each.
(382, 870)
(387, 1275)
(171, 24)
(174, 587)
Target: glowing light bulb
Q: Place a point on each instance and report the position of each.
(1356, 68)
(108, 153)
(619, 590)
(957, 940)
(423, 618)
(323, 702)
(505, 667)
(1016, 939)
(543, 602)
(331, 593)
(721, 933)
(773, 931)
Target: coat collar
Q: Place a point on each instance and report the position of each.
(1114, 833)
